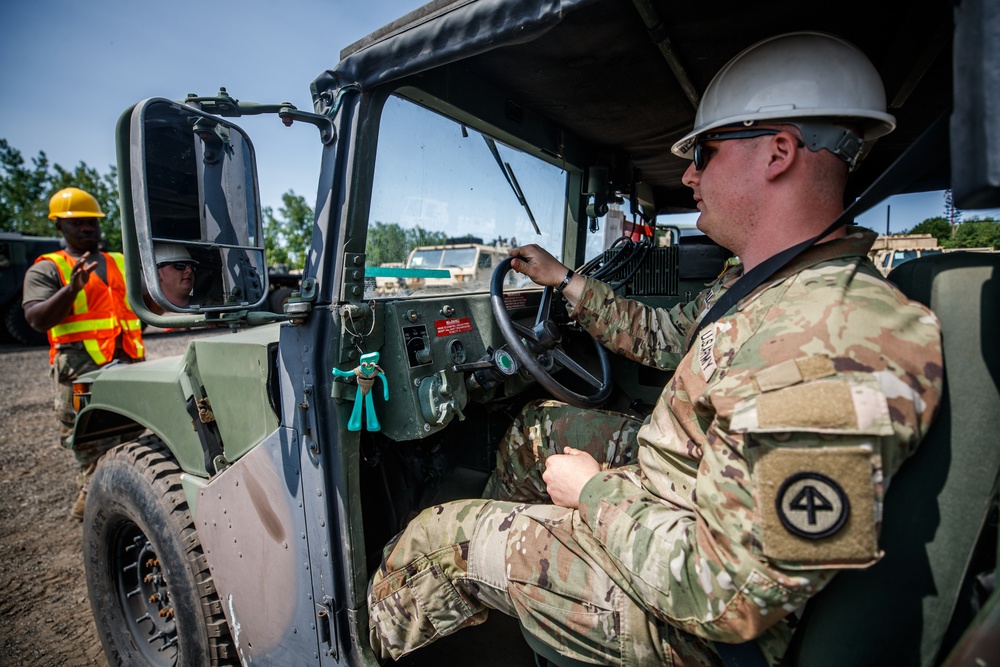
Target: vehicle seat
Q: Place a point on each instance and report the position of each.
(898, 611)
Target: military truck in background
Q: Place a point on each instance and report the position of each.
(888, 252)
(282, 282)
(465, 266)
(242, 517)
(18, 252)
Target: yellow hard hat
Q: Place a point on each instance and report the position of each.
(74, 203)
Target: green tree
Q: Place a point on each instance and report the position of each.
(937, 227)
(23, 204)
(274, 244)
(418, 236)
(392, 243)
(288, 234)
(952, 213)
(977, 233)
(386, 243)
(25, 192)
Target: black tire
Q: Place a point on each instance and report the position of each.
(277, 298)
(151, 593)
(18, 327)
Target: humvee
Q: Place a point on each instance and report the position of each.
(17, 252)
(241, 518)
(888, 252)
(467, 266)
(456, 264)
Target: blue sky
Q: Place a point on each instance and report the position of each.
(70, 69)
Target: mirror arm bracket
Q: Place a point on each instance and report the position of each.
(226, 105)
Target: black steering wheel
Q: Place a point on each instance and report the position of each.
(543, 339)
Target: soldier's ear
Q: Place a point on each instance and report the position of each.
(783, 150)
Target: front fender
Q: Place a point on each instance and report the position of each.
(235, 374)
(129, 398)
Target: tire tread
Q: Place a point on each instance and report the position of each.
(153, 461)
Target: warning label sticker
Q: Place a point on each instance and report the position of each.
(455, 325)
(512, 300)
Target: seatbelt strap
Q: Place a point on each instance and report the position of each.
(914, 163)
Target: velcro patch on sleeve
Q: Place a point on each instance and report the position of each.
(835, 406)
(814, 405)
(793, 371)
(817, 505)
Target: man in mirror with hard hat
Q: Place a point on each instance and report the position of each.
(792, 404)
(77, 295)
(175, 270)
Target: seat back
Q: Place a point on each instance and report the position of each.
(898, 611)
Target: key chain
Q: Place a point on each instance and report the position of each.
(365, 374)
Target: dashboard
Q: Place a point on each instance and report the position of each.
(438, 354)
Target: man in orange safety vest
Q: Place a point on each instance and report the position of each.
(78, 296)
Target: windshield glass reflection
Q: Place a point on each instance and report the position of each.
(449, 202)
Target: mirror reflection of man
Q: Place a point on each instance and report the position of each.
(78, 296)
(175, 269)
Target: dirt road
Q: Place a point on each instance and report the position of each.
(45, 616)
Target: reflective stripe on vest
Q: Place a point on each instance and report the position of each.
(131, 322)
(99, 314)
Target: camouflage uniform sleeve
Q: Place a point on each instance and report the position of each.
(650, 336)
(814, 399)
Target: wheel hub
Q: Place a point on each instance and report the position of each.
(144, 596)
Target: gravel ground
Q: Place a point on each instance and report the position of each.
(45, 616)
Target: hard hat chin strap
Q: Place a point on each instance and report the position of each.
(840, 141)
(913, 165)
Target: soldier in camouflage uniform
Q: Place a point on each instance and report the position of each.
(761, 471)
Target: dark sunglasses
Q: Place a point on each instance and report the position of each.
(178, 266)
(703, 152)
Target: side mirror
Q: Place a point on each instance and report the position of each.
(192, 188)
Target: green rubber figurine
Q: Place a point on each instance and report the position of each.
(366, 374)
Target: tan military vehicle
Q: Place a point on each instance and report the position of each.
(465, 265)
(888, 252)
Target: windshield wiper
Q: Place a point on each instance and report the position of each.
(508, 173)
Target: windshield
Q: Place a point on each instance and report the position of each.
(425, 259)
(459, 258)
(445, 209)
